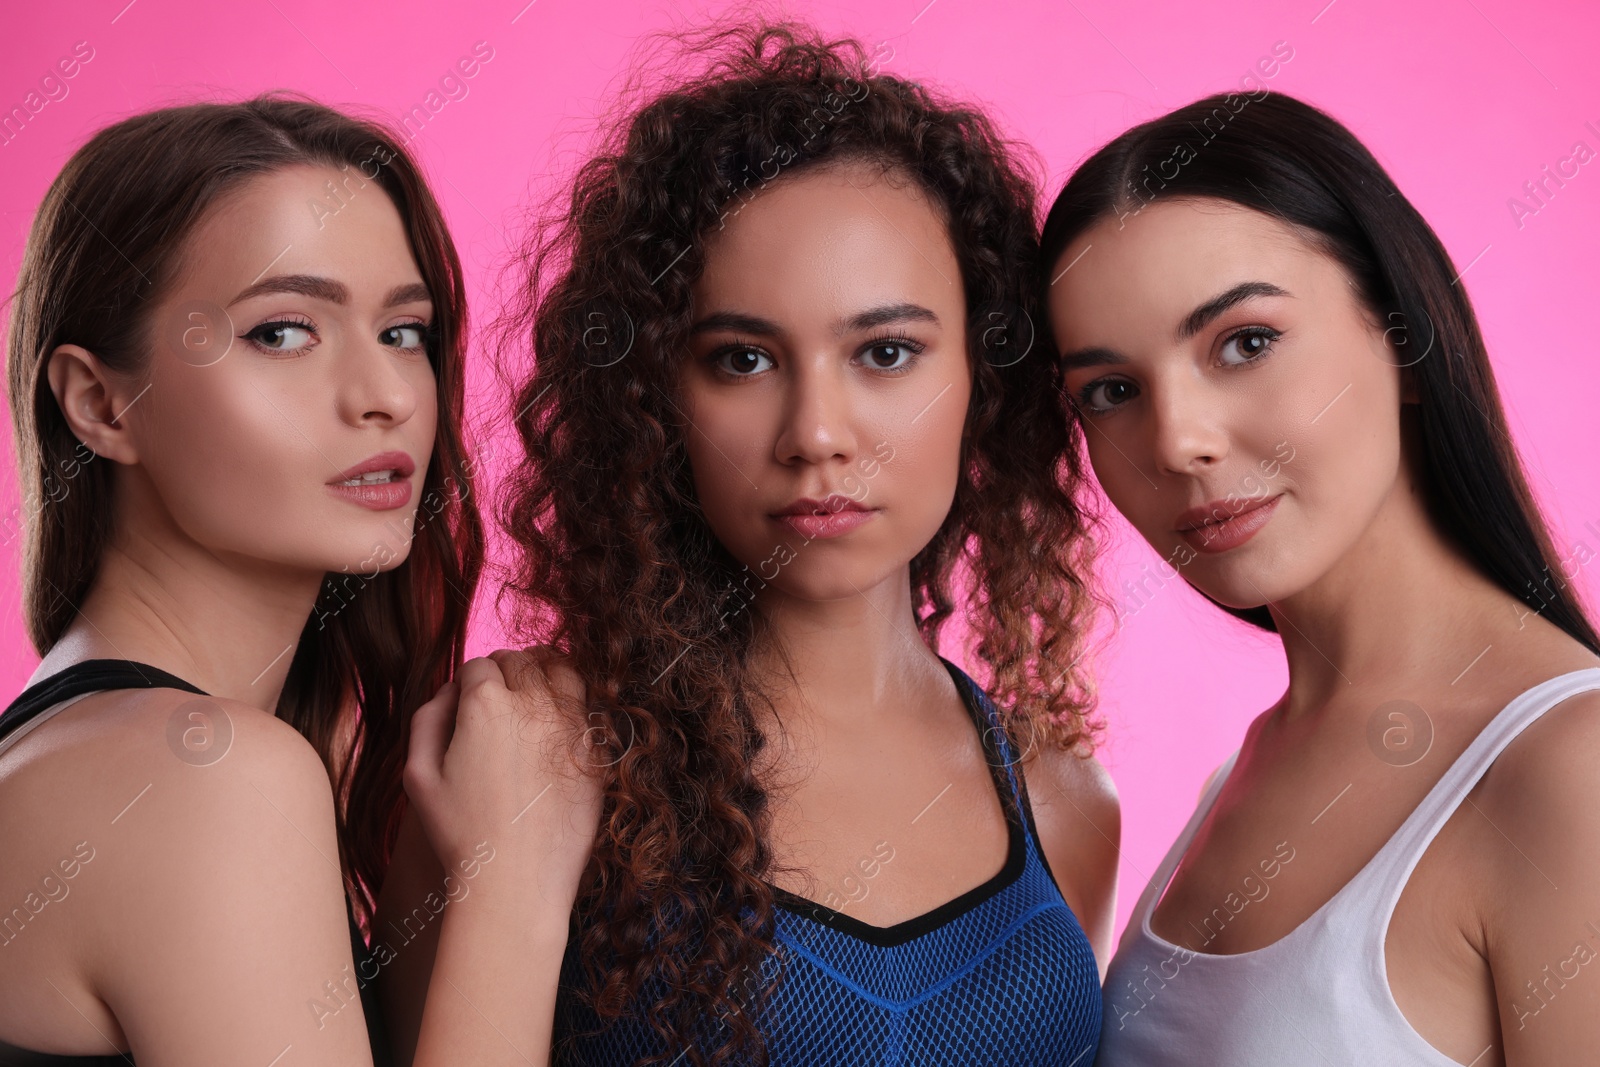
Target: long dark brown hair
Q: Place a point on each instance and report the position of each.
(617, 566)
(1295, 163)
(105, 248)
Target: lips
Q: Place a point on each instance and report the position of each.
(1220, 525)
(835, 503)
(832, 517)
(399, 462)
(378, 494)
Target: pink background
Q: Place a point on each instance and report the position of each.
(1463, 101)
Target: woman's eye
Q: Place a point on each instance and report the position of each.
(281, 336)
(410, 335)
(1247, 345)
(889, 355)
(1101, 397)
(743, 362)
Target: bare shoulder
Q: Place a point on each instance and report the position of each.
(159, 741)
(207, 854)
(1536, 879)
(185, 778)
(1078, 816)
(1544, 782)
(1076, 782)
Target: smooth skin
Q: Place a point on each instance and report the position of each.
(1373, 604)
(829, 357)
(210, 915)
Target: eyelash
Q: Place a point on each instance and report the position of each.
(429, 332)
(915, 349)
(1081, 398)
(304, 324)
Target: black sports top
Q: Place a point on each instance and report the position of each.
(93, 676)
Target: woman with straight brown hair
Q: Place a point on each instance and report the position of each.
(235, 373)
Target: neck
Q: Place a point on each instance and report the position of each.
(1403, 609)
(841, 658)
(226, 624)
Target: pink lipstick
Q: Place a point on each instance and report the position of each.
(835, 517)
(1217, 527)
(381, 482)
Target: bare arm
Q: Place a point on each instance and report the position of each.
(505, 803)
(1541, 900)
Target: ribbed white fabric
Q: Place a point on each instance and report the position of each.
(1320, 995)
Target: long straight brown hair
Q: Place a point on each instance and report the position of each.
(104, 250)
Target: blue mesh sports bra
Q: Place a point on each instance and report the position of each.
(49, 695)
(1001, 976)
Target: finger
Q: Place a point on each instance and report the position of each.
(519, 669)
(430, 732)
(478, 670)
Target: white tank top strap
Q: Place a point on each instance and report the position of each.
(1376, 890)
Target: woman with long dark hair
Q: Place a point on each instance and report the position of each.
(235, 375)
(1285, 391)
(783, 414)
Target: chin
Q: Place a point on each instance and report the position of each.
(821, 583)
(1245, 584)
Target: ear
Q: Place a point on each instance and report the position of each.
(92, 400)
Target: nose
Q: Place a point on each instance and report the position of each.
(372, 386)
(816, 416)
(1187, 428)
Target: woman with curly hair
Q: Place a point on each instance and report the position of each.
(784, 420)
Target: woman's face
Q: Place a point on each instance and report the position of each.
(1241, 407)
(827, 381)
(290, 351)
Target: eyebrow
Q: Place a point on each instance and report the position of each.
(328, 289)
(1197, 319)
(871, 318)
(1192, 323)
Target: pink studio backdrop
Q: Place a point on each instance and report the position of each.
(1464, 101)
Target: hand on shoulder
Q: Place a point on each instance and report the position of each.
(499, 760)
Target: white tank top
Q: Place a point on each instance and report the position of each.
(1320, 994)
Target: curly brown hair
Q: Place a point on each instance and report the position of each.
(616, 566)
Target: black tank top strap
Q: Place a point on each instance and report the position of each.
(86, 676)
(998, 749)
(12, 1056)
